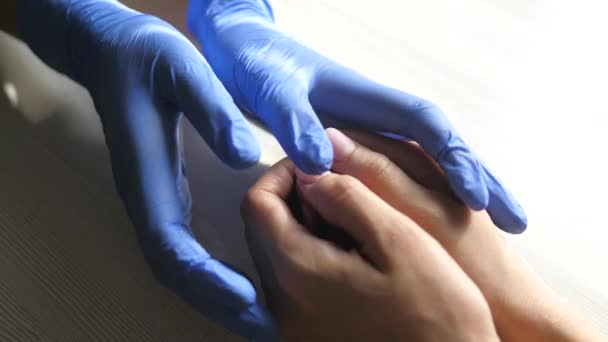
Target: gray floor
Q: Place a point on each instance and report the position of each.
(523, 80)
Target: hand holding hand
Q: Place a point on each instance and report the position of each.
(523, 307)
(399, 284)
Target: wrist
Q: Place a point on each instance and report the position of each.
(529, 310)
(546, 318)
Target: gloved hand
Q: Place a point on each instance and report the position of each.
(142, 74)
(272, 75)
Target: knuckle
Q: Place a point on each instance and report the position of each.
(380, 166)
(345, 185)
(260, 215)
(249, 202)
(254, 202)
(391, 238)
(344, 189)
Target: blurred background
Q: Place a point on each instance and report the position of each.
(525, 81)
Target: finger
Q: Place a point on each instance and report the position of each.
(347, 204)
(266, 202)
(351, 97)
(149, 174)
(278, 180)
(281, 243)
(189, 83)
(408, 156)
(297, 128)
(429, 209)
(504, 209)
(266, 212)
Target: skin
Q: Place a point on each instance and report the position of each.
(403, 277)
(399, 283)
(523, 306)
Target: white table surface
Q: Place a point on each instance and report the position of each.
(524, 81)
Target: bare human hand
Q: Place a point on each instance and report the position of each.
(398, 284)
(523, 307)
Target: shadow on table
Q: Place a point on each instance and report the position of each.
(61, 117)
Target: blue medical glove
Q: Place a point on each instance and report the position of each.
(283, 82)
(142, 74)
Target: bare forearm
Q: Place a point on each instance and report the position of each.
(8, 16)
(537, 313)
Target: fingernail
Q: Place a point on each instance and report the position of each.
(343, 145)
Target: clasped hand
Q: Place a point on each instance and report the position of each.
(379, 249)
(394, 282)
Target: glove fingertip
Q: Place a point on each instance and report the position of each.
(227, 287)
(314, 155)
(237, 146)
(246, 151)
(520, 224)
(465, 178)
(508, 215)
(504, 209)
(475, 198)
(511, 222)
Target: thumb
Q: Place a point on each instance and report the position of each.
(429, 209)
(349, 205)
(375, 170)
